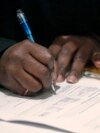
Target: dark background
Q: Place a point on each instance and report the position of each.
(50, 18)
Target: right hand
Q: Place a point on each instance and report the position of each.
(26, 66)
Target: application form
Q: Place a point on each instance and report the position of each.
(75, 107)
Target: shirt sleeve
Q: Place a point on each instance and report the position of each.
(6, 43)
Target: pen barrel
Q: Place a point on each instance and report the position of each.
(23, 22)
(26, 28)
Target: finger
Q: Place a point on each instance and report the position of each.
(64, 59)
(79, 63)
(28, 82)
(54, 49)
(96, 59)
(56, 46)
(42, 55)
(96, 52)
(8, 79)
(14, 86)
(38, 70)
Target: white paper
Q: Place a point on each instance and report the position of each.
(75, 107)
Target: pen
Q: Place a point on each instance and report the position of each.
(23, 22)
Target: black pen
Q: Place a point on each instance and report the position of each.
(23, 22)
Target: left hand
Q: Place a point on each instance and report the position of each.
(72, 53)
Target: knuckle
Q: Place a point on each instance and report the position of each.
(16, 54)
(50, 62)
(49, 58)
(25, 42)
(65, 51)
(66, 37)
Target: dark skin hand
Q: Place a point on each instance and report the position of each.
(26, 66)
(72, 53)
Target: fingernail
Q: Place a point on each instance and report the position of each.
(60, 78)
(72, 79)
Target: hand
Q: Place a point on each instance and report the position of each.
(72, 53)
(25, 66)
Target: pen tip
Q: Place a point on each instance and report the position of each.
(53, 89)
